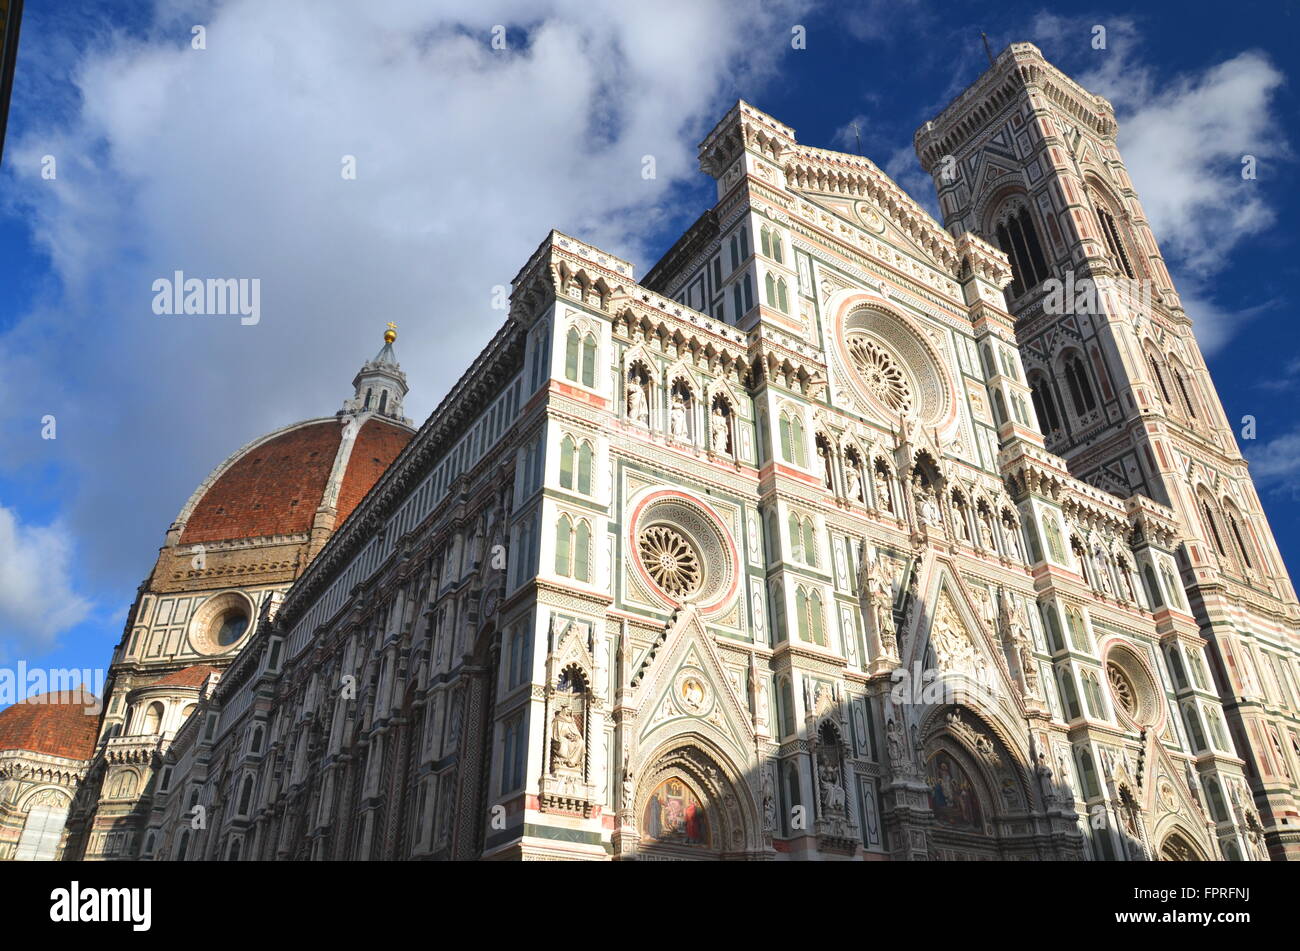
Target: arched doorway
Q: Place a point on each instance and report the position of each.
(691, 806)
(978, 792)
(1177, 847)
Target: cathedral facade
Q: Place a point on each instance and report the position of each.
(840, 534)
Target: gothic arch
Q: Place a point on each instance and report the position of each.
(978, 782)
(1179, 845)
(707, 773)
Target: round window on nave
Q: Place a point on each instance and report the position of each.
(891, 368)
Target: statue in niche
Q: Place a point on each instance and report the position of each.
(638, 410)
(884, 497)
(628, 786)
(853, 481)
(566, 741)
(1029, 668)
(720, 430)
(678, 425)
(828, 463)
(1127, 583)
(959, 513)
(1103, 572)
(880, 607)
(1012, 540)
(769, 801)
(985, 521)
(832, 789)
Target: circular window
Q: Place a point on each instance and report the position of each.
(670, 560)
(892, 367)
(881, 373)
(222, 622)
(1132, 686)
(1122, 688)
(231, 628)
(682, 552)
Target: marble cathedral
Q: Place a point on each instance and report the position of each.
(840, 534)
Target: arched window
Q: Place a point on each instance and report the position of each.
(803, 539)
(153, 719)
(572, 354)
(1069, 693)
(246, 796)
(564, 546)
(1212, 527)
(580, 357)
(1188, 405)
(787, 707)
(782, 299)
(801, 612)
(792, 439)
(1076, 378)
(769, 285)
(575, 465)
(1087, 772)
(1195, 735)
(1044, 406)
(383, 401)
(815, 609)
(1092, 696)
(999, 407)
(1119, 255)
(369, 391)
(1018, 239)
(1153, 588)
(796, 537)
(1054, 640)
(589, 360)
(1242, 548)
(765, 240)
(778, 612)
(567, 459)
(584, 468)
(1158, 374)
(582, 552)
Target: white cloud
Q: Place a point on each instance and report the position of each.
(37, 600)
(1275, 465)
(225, 162)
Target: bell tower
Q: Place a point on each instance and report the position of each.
(1027, 159)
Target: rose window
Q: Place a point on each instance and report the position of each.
(671, 561)
(882, 376)
(1122, 688)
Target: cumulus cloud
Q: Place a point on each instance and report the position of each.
(37, 598)
(226, 162)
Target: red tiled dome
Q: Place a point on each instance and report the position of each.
(57, 724)
(275, 486)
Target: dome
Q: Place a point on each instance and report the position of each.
(275, 485)
(56, 724)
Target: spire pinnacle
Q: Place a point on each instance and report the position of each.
(380, 386)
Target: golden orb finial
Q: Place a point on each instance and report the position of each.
(391, 333)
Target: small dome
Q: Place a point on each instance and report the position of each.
(57, 724)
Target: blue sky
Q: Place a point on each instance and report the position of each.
(225, 162)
